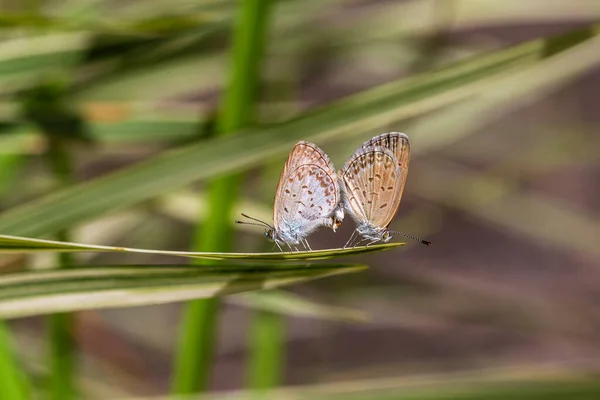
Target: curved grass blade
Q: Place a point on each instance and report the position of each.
(568, 386)
(86, 288)
(15, 244)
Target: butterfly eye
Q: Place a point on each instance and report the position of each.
(336, 223)
(386, 237)
(269, 234)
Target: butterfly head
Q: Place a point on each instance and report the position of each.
(373, 233)
(270, 234)
(386, 237)
(337, 218)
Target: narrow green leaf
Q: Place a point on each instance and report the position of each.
(509, 383)
(10, 164)
(266, 362)
(25, 59)
(198, 338)
(290, 304)
(15, 244)
(14, 384)
(74, 289)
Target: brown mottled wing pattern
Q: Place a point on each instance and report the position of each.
(399, 144)
(371, 178)
(308, 189)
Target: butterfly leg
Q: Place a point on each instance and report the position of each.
(373, 242)
(278, 246)
(307, 245)
(350, 240)
(358, 241)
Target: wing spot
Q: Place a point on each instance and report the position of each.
(390, 188)
(384, 205)
(382, 189)
(370, 179)
(300, 202)
(309, 192)
(287, 191)
(304, 187)
(286, 210)
(377, 176)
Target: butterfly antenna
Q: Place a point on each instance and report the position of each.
(416, 239)
(249, 223)
(262, 223)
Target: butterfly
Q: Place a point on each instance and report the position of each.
(308, 196)
(373, 182)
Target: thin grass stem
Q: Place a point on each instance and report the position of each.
(197, 339)
(60, 326)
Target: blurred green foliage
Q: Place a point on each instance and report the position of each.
(123, 99)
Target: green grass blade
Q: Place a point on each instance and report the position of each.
(539, 382)
(61, 355)
(289, 304)
(74, 289)
(10, 164)
(15, 244)
(24, 60)
(60, 326)
(14, 383)
(265, 365)
(558, 388)
(358, 113)
(193, 359)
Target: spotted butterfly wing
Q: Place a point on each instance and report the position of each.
(399, 144)
(371, 179)
(308, 194)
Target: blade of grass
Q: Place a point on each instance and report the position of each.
(86, 288)
(368, 110)
(60, 327)
(265, 364)
(392, 20)
(14, 383)
(25, 59)
(9, 169)
(15, 244)
(285, 303)
(197, 339)
(559, 388)
(564, 381)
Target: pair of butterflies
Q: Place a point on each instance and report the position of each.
(311, 194)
